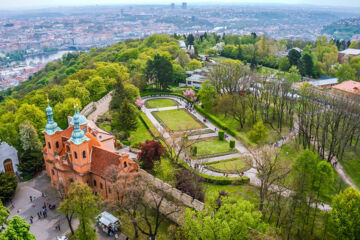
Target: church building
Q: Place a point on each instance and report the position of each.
(82, 152)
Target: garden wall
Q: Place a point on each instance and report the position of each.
(95, 109)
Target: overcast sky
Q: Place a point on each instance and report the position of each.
(17, 4)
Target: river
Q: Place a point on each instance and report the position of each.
(43, 58)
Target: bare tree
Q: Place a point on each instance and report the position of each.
(269, 170)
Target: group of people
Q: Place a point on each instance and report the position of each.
(43, 212)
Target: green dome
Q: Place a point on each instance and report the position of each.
(82, 120)
(78, 135)
(51, 126)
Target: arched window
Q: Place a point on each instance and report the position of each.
(67, 148)
(125, 164)
(57, 144)
(101, 186)
(8, 166)
(109, 189)
(94, 183)
(75, 154)
(84, 154)
(49, 145)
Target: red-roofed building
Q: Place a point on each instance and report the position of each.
(349, 88)
(82, 152)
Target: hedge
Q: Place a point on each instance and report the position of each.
(150, 93)
(220, 180)
(221, 135)
(214, 120)
(232, 143)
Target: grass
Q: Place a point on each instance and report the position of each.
(178, 120)
(245, 191)
(140, 135)
(128, 228)
(351, 165)
(212, 146)
(230, 164)
(160, 103)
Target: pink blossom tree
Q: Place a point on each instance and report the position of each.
(140, 103)
(189, 93)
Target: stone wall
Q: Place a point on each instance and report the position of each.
(175, 193)
(95, 109)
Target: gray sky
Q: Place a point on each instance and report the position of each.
(16, 4)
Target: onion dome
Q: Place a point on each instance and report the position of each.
(51, 126)
(78, 135)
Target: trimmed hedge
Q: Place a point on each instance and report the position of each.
(214, 120)
(232, 143)
(159, 93)
(220, 180)
(221, 135)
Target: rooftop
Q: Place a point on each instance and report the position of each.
(351, 51)
(349, 86)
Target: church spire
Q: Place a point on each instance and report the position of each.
(51, 126)
(78, 135)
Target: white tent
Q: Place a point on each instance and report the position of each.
(108, 220)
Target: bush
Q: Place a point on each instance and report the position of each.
(258, 132)
(221, 135)
(8, 184)
(194, 150)
(126, 142)
(232, 143)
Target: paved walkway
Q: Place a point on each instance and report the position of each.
(251, 173)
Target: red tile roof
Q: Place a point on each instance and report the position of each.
(349, 86)
(101, 159)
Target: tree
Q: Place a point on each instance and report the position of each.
(284, 64)
(125, 120)
(345, 214)
(269, 170)
(68, 209)
(159, 71)
(17, 228)
(183, 58)
(151, 151)
(294, 57)
(293, 75)
(345, 72)
(194, 64)
(189, 40)
(258, 132)
(74, 89)
(207, 95)
(190, 183)
(8, 184)
(64, 109)
(32, 114)
(29, 138)
(97, 88)
(83, 205)
(307, 65)
(131, 92)
(232, 221)
(119, 94)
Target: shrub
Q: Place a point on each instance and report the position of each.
(126, 142)
(258, 132)
(232, 143)
(221, 135)
(194, 150)
(151, 151)
(8, 184)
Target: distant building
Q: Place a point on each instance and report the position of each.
(172, 5)
(184, 5)
(197, 77)
(348, 88)
(348, 53)
(85, 153)
(8, 158)
(182, 44)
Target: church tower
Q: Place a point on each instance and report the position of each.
(52, 134)
(78, 147)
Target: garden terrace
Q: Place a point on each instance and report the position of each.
(212, 147)
(178, 120)
(233, 165)
(160, 103)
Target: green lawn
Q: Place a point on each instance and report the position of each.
(212, 146)
(140, 135)
(230, 164)
(351, 165)
(178, 120)
(160, 102)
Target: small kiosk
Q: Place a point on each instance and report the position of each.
(108, 223)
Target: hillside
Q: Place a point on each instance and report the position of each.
(343, 29)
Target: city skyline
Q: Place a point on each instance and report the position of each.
(35, 4)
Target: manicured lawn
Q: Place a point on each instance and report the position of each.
(231, 164)
(161, 102)
(140, 135)
(178, 120)
(212, 146)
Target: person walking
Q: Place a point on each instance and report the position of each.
(31, 219)
(30, 198)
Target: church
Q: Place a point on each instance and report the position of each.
(82, 152)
